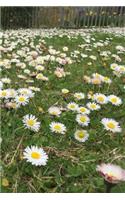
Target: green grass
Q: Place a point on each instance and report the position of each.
(72, 165)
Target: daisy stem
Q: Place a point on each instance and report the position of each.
(34, 103)
(18, 129)
(108, 186)
(108, 87)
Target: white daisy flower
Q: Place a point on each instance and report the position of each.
(111, 125)
(111, 173)
(83, 110)
(12, 93)
(79, 95)
(65, 48)
(54, 110)
(30, 122)
(26, 91)
(40, 67)
(114, 66)
(57, 127)
(107, 80)
(115, 100)
(36, 89)
(121, 69)
(93, 106)
(26, 71)
(36, 156)
(39, 76)
(22, 100)
(6, 80)
(82, 120)
(42, 77)
(93, 57)
(100, 98)
(81, 135)
(4, 94)
(65, 91)
(72, 106)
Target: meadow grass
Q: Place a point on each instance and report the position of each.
(72, 165)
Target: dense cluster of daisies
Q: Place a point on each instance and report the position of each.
(30, 62)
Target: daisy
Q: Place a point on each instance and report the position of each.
(106, 80)
(115, 100)
(30, 122)
(111, 125)
(121, 69)
(6, 80)
(54, 111)
(65, 91)
(65, 48)
(114, 66)
(58, 127)
(4, 94)
(39, 76)
(26, 91)
(79, 95)
(39, 67)
(82, 120)
(93, 57)
(12, 93)
(93, 106)
(100, 98)
(36, 156)
(81, 135)
(96, 81)
(72, 106)
(44, 78)
(26, 71)
(22, 99)
(87, 79)
(12, 105)
(90, 95)
(36, 89)
(111, 173)
(83, 110)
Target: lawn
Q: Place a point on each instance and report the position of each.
(48, 62)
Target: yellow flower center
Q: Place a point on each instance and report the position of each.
(4, 93)
(30, 122)
(111, 175)
(78, 96)
(82, 109)
(122, 69)
(35, 155)
(101, 99)
(72, 106)
(81, 134)
(57, 127)
(93, 106)
(96, 81)
(54, 113)
(21, 99)
(111, 125)
(114, 100)
(106, 78)
(83, 119)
